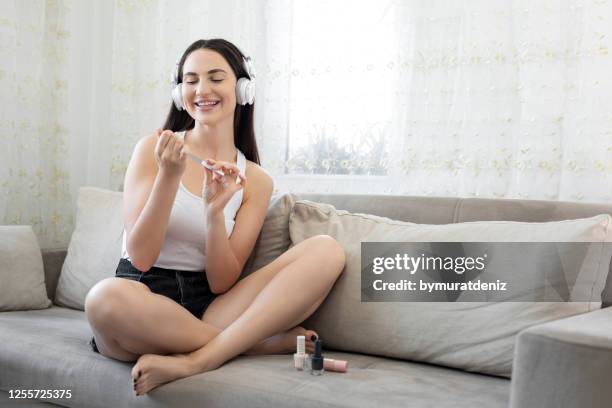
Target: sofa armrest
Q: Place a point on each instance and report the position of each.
(564, 363)
(53, 259)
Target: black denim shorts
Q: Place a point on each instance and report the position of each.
(188, 289)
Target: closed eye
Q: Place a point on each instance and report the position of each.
(214, 80)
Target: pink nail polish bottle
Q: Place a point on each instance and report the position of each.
(339, 366)
(300, 356)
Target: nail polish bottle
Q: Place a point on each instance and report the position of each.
(308, 360)
(300, 356)
(317, 359)
(339, 366)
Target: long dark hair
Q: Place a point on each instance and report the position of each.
(244, 132)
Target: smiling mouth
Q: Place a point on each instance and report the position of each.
(206, 104)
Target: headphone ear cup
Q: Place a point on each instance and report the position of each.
(245, 87)
(249, 92)
(177, 97)
(241, 93)
(245, 91)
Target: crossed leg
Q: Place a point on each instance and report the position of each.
(128, 320)
(272, 300)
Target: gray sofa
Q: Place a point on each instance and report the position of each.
(563, 363)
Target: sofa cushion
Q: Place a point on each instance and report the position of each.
(95, 246)
(468, 335)
(273, 239)
(62, 359)
(22, 275)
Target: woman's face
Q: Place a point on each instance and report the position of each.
(208, 78)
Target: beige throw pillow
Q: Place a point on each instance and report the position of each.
(468, 335)
(95, 246)
(273, 239)
(22, 275)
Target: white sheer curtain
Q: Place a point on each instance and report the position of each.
(453, 98)
(504, 99)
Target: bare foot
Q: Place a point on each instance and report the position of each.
(152, 370)
(285, 342)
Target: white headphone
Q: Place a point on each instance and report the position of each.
(245, 87)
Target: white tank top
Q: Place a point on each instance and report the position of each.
(183, 246)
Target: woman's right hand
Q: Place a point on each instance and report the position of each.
(169, 153)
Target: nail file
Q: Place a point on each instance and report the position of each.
(209, 167)
(203, 163)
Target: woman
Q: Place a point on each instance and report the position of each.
(176, 305)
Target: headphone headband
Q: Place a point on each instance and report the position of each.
(247, 63)
(248, 66)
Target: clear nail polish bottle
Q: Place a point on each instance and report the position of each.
(308, 362)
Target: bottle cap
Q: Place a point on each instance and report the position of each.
(330, 364)
(301, 344)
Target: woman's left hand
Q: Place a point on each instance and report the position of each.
(217, 190)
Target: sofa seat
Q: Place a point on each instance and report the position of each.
(52, 353)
